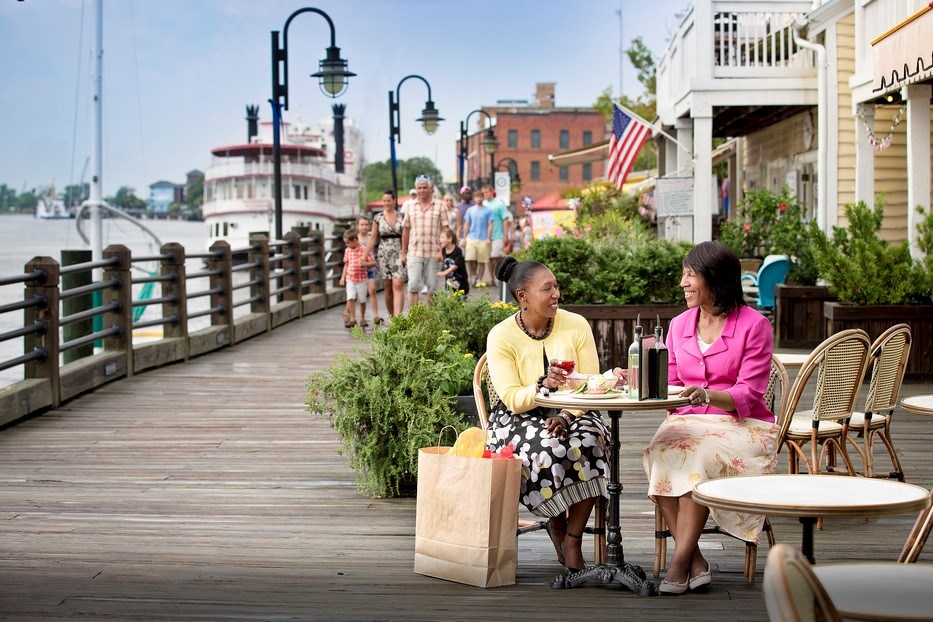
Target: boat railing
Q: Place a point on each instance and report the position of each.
(80, 331)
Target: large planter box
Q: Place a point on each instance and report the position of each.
(798, 316)
(614, 327)
(876, 319)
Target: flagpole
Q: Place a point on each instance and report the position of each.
(654, 128)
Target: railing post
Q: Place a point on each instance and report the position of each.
(123, 293)
(74, 305)
(222, 287)
(291, 267)
(259, 274)
(317, 263)
(47, 340)
(176, 313)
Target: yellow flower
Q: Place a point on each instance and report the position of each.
(468, 355)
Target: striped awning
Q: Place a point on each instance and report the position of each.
(904, 54)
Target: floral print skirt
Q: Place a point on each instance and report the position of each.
(689, 449)
(556, 473)
(389, 260)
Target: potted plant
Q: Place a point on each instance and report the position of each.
(877, 283)
(393, 395)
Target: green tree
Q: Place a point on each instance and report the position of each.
(127, 200)
(378, 176)
(76, 194)
(196, 194)
(7, 198)
(27, 202)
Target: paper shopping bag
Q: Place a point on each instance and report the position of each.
(467, 516)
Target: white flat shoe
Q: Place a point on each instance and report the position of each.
(672, 587)
(701, 580)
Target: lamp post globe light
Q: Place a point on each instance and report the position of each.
(489, 144)
(429, 120)
(333, 77)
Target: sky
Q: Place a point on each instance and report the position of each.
(178, 74)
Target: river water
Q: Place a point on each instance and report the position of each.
(23, 237)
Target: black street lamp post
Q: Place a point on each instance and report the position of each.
(489, 143)
(429, 120)
(333, 77)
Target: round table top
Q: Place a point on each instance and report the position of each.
(609, 401)
(918, 404)
(792, 360)
(879, 591)
(812, 495)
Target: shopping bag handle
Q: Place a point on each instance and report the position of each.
(456, 435)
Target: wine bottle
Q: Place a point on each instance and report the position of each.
(661, 358)
(634, 365)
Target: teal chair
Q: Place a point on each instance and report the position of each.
(772, 273)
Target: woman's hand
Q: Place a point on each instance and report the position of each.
(557, 426)
(696, 395)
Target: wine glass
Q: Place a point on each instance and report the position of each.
(564, 359)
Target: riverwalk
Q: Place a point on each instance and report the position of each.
(205, 491)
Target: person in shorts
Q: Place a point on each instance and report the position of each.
(356, 261)
(478, 226)
(424, 220)
(500, 242)
(363, 227)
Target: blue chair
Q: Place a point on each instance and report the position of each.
(772, 272)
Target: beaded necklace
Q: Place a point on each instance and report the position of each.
(547, 328)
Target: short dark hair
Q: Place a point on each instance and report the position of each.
(517, 274)
(722, 271)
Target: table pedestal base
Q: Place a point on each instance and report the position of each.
(626, 575)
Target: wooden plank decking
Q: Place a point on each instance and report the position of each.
(205, 491)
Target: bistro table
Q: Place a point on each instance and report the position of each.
(879, 590)
(809, 497)
(792, 360)
(615, 570)
(918, 405)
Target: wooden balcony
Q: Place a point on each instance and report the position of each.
(735, 55)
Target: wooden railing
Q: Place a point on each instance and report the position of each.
(198, 311)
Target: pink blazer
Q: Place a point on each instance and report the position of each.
(739, 362)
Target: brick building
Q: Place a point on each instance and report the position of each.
(528, 132)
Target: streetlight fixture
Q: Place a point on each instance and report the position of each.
(333, 77)
(515, 182)
(489, 143)
(429, 120)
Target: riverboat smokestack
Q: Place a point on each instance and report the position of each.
(252, 122)
(338, 137)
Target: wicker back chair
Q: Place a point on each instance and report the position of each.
(486, 397)
(889, 354)
(917, 536)
(839, 364)
(792, 592)
(777, 386)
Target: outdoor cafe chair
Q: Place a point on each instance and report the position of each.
(839, 364)
(484, 393)
(793, 593)
(918, 535)
(889, 354)
(777, 386)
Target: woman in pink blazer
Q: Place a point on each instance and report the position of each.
(720, 352)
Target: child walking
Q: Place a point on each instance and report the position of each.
(454, 272)
(355, 262)
(363, 227)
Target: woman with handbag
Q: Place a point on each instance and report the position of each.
(564, 454)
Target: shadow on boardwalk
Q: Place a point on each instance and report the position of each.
(204, 490)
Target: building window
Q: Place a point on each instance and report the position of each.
(587, 137)
(535, 139)
(564, 173)
(587, 172)
(565, 139)
(535, 170)
(513, 139)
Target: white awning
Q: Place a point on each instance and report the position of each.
(904, 54)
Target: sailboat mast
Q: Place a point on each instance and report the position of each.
(96, 194)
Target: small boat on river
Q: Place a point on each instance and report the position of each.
(321, 179)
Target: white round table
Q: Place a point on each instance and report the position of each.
(809, 497)
(918, 405)
(879, 591)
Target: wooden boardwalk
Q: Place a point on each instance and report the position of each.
(205, 491)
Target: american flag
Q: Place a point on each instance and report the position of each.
(628, 136)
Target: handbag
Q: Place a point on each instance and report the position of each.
(466, 517)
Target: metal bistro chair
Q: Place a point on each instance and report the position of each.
(792, 592)
(839, 363)
(484, 393)
(777, 386)
(889, 355)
